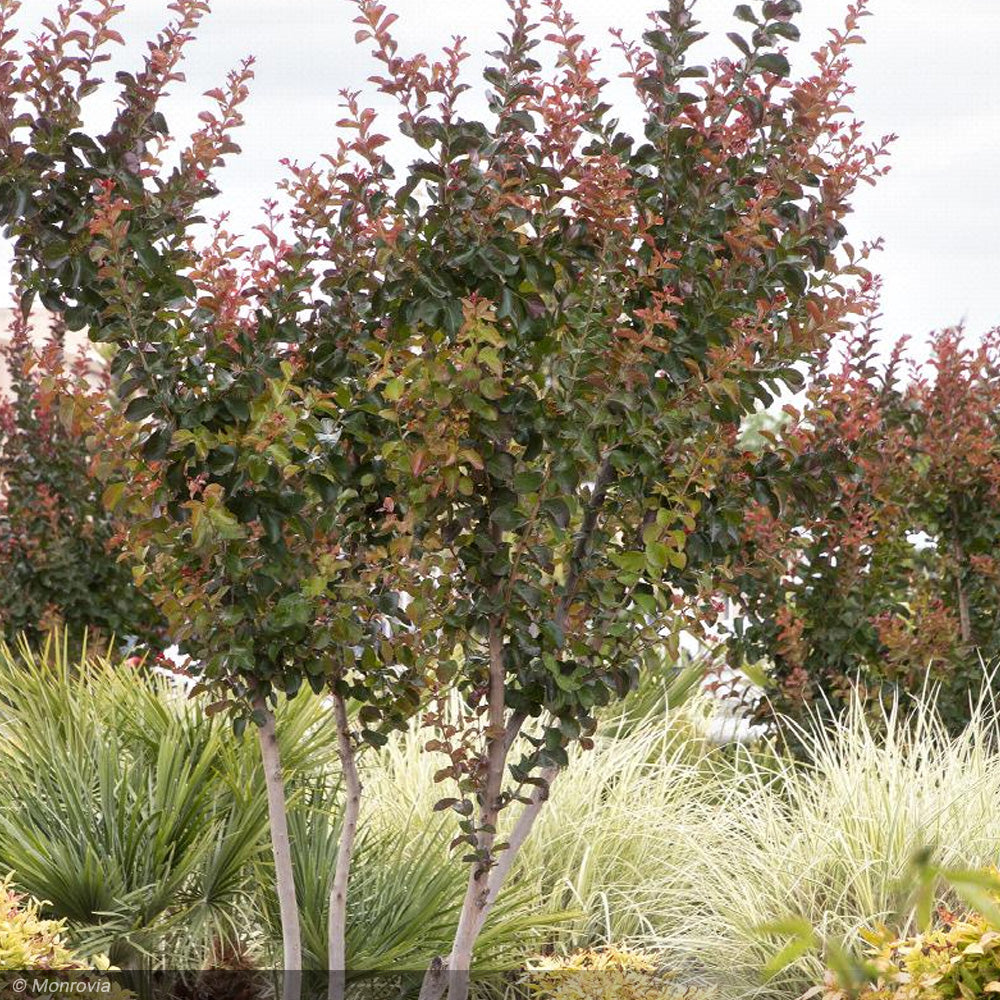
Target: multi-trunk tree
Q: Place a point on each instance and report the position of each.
(567, 324)
(468, 428)
(250, 515)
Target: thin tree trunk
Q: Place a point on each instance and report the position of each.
(453, 970)
(518, 836)
(469, 922)
(436, 981)
(964, 615)
(281, 847)
(337, 926)
(522, 828)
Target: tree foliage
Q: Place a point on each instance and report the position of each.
(469, 424)
(887, 575)
(58, 563)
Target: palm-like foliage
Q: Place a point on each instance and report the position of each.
(136, 816)
(405, 893)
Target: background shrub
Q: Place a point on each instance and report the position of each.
(27, 941)
(958, 959)
(58, 561)
(882, 575)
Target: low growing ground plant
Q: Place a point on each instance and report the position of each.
(957, 960)
(29, 941)
(604, 974)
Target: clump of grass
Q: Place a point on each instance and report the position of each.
(661, 842)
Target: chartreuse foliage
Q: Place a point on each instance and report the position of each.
(958, 960)
(955, 955)
(27, 941)
(605, 974)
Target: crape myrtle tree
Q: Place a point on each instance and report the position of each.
(472, 423)
(885, 579)
(566, 324)
(58, 567)
(246, 496)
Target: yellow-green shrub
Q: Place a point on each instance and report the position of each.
(603, 974)
(29, 942)
(958, 960)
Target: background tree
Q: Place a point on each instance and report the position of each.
(58, 566)
(251, 515)
(886, 577)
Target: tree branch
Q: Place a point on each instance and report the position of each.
(604, 479)
(518, 836)
(513, 727)
(337, 918)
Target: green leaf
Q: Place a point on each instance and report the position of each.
(528, 482)
(558, 511)
(293, 609)
(507, 517)
(112, 496)
(140, 408)
(238, 408)
(772, 62)
(658, 555)
(634, 562)
(802, 939)
(520, 120)
(781, 8)
(739, 41)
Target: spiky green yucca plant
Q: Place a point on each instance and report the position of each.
(142, 822)
(121, 811)
(404, 896)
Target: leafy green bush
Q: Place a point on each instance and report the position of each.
(58, 564)
(124, 808)
(27, 941)
(958, 959)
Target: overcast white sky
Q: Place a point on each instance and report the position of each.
(928, 73)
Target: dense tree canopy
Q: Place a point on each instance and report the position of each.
(58, 564)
